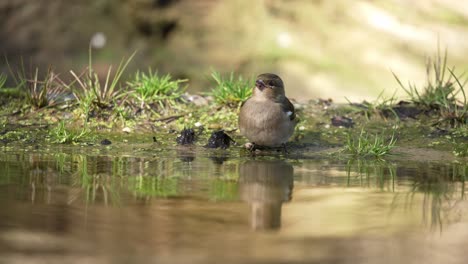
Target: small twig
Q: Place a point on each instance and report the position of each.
(169, 119)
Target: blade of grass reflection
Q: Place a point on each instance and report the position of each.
(442, 188)
(153, 186)
(223, 190)
(377, 169)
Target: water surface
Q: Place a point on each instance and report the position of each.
(190, 205)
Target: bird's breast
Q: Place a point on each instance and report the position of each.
(265, 123)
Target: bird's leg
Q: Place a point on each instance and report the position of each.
(284, 148)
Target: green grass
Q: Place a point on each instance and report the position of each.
(61, 134)
(230, 91)
(380, 107)
(150, 88)
(38, 93)
(460, 149)
(47, 92)
(366, 145)
(3, 79)
(456, 114)
(18, 75)
(90, 91)
(212, 117)
(441, 93)
(461, 132)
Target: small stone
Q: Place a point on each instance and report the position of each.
(342, 121)
(197, 99)
(67, 115)
(127, 130)
(106, 142)
(198, 124)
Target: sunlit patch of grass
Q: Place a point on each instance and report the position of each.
(441, 92)
(90, 91)
(366, 145)
(85, 103)
(61, 134)
(229, 90)
(211, 117)
(460, 149)
(123, 114)
(150, 88)
(223, 118)
(456, 114)
(461, 131)
(438, 92)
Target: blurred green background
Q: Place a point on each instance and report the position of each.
(321, 49)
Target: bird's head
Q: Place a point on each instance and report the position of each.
(269, 85)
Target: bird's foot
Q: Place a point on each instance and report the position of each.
(251, 146)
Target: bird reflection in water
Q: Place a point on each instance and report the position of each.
(265, 186)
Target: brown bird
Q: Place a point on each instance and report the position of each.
(268, 117)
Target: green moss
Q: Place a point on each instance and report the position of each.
(210, 117)
(460, 149)
(62, 134)
(12, 136)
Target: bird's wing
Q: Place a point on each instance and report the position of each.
(288, 108)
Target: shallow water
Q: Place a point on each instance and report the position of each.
(191, 205)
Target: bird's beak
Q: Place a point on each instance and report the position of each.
(260, 84)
